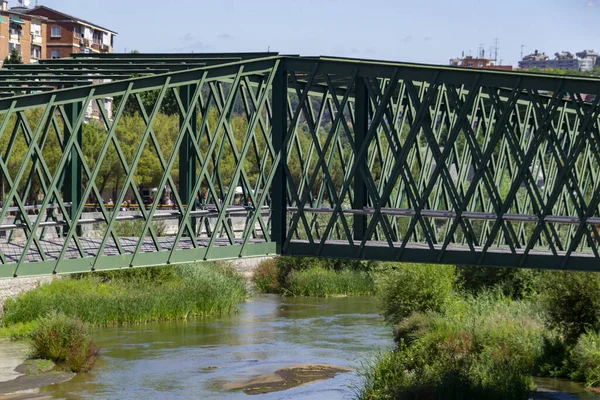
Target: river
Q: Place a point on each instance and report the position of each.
(177, 360)
(194, 359)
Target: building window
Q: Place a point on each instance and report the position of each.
(77, 32)
(55, 54)
(36, 52)
(97, 37)
(56, 31)
(13, 46)
(469, 64)
(480, 64)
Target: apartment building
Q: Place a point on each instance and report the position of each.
(66, 34)
(582, 61)
(21, 31)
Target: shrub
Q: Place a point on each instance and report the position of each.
(285, 265)
(571, 301)
(478, 348)
(514, 282)
(585, 358)
(265, 277)
(321, 282)
(64, 341)
(408, 288)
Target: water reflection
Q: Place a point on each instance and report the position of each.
(176, 360)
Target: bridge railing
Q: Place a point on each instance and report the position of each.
(328, 157)
(196, 133)
(431, 164)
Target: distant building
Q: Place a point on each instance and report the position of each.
(582, 61)
(471, 62)
(67, 34)
(26, 33)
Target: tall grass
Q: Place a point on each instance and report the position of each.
(65, 341)
(310, 276)
(321, 282)
(484, 347)
(186, 291)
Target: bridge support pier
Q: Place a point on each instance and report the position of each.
(187, 157)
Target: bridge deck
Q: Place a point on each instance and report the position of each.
(501, 256)
(91, 246)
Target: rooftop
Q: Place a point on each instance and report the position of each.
(66, 16)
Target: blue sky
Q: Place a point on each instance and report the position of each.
(428, 31)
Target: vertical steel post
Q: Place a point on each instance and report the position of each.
(361, 126)
(187, 158)
(72, 188)
(278, 134)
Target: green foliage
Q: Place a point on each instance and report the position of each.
(64, 340)
(586, 359)
(320, 282)
(265, 277)
(479, 348)
(562, 71)
(134, 228)
(311, 276)
(285, 265)
(13, 58)
(514, 282)
(21, 330)
(408, 288)
(186, 291)
(571, 300)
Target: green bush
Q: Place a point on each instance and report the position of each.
(321, 282)
(585, 359)
(571, 301)
(199, 289)
(265, 277)
(408, 288)
(478, 348)
(64, 340)
(285, 265)
(514, 282)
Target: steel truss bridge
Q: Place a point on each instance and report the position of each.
(334, 157)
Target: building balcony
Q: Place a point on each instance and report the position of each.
(14, 38)
(37, 39)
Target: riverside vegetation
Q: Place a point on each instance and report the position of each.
(466, 332)
(307, 276)
(55, 316)
(461, 332)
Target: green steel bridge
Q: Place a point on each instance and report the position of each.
(329, 157)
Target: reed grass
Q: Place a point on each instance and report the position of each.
(129, 298)
(321, 282)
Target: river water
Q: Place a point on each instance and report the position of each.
(194, 359)
(177, 360)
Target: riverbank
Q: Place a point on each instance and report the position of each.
(484, 333)
(133, 296)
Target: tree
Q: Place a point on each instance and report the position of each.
(13, 58)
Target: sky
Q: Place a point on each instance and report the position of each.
(424, 31)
